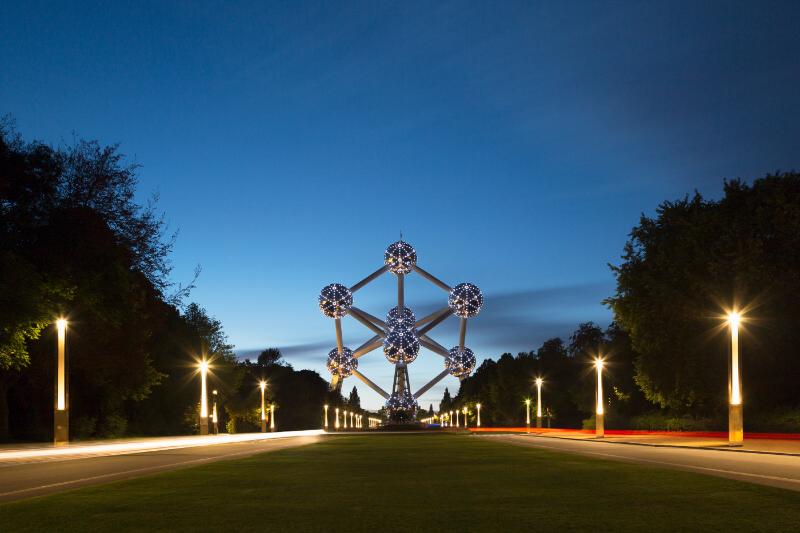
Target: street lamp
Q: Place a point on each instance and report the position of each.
(599, 425)
(263, 386)
(478, 406)
(272, 417)
(336, 423)
(203, 397)
(325, 420)
(528, 414)
(61, 413)
(465, 417)
(735, 415)
(539, 382)
(352, 416)
(214, 413)
(457, 422)
(344, 425)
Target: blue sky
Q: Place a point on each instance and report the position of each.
(514, 144)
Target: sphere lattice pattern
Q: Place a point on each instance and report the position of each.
(401, 345)
(465, 300)
(342, 364)
(395, 319)
(401, 257)
(335, 300)
(460, 363)
(401, 401)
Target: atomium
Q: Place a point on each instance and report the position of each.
(342, 364)
(465, 300)
(401, 336)
(335, 300)
(460, 362)
(400, 257)
(401, 345)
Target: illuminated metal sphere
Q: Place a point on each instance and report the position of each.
(335, 300)
(459, 363)
(465, 300)
(401, 257)
(342, 364)
(395, 319)
(401, 344)
(402, 401)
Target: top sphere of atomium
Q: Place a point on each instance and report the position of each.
(465, 300)
(335, 300)
(400, 257)
(395, 319)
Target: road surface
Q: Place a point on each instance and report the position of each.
(33, 472)
(767, 469)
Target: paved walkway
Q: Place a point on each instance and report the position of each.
(777, 444)
(764, 468)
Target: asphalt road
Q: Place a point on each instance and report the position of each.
(24, 479)
(776, 470)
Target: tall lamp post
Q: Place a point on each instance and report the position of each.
(272, 417)
(528, 414)
(263, 386)
(203, 398)
(214, 418)
(325, 420)
(478, 407)
(458, 424)
(61, 413)
(465, 417)
(599, 425)
(735, 415)
(336, 423)
(539, 382)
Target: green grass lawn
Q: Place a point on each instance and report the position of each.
(413, 483)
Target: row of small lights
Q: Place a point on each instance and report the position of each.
(735, 435)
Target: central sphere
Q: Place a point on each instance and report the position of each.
(342, 364)
(459, 363)
(395, 319)
(465, 300)
(403, 401)
(400, 257)
(335, 300)
(401, 344)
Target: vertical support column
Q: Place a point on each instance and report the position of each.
(462, 336)
(272, 417)
(61, 412)
(339, 343)
(401, 297)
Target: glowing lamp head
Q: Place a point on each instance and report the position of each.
(262, 385)
(61, 324)
(214, 392)
(734, 319)
(478, 405)
(539, 382)
(203, 366)
(598, 363)
(527, 401)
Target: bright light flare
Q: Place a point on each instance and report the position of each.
(61, 380)
(734, 319)
(598, 364)
(203, 389)
(539, 382)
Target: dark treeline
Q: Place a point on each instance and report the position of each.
(74, 243)
(668, 347)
